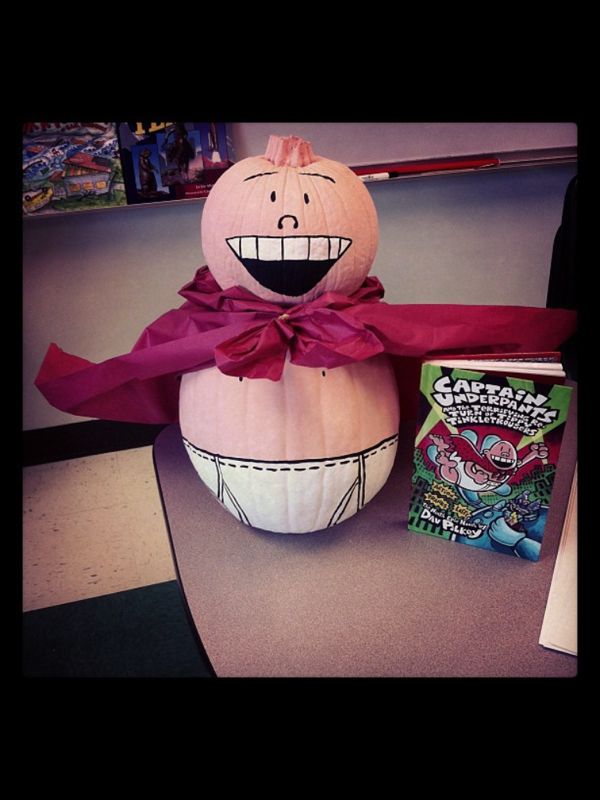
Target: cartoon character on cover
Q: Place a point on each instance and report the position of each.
(515, 527)
(179, 149)
(308, 450)
(147, 169)
(472, 471)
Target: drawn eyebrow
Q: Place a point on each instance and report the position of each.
(258, 175)
(317, 175)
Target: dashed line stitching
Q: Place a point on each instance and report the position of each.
(369, 452)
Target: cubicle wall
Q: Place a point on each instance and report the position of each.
(368, 142)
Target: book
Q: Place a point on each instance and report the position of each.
(489, 432)
(70, 166)
(559, 628)
(172, 160)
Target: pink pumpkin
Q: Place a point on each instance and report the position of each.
(289, 226)
(307, 451)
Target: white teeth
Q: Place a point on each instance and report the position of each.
(344, 245)
(319, 248)
(269, 249)
(295, 248)
(234, 244)
(248, 247)
(291, 248)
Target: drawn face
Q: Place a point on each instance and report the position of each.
(502, 455)
(289, 234)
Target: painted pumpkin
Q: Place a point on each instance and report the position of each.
(289, 226)
(308, 451)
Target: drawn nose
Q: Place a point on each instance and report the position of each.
(287, 216)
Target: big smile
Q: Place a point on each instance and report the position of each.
(502, 462)
(289, 265)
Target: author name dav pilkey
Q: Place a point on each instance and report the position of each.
(449, 524)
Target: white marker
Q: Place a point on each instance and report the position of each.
(376, 176)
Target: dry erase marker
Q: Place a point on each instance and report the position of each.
(406, 168)
(375, 176)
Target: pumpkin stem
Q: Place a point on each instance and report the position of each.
(289, 151)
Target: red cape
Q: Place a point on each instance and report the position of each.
(467, 451)
(246, 336)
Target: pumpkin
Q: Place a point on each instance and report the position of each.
(310, 450)
(289, 226)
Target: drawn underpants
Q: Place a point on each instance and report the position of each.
(295, 496)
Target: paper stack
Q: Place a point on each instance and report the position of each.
(559, 628)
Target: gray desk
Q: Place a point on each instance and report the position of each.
(366, 598)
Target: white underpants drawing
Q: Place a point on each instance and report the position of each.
(320, 492)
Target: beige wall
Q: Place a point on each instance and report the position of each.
(375, 142)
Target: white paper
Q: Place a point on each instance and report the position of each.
(559, 628)
(549, 369)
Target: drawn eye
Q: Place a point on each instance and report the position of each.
(273, 197)
(306, 200)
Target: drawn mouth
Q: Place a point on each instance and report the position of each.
(501, 462)
(290, 265)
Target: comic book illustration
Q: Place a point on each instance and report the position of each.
(486, 454)
(172, 160)
(71, 166)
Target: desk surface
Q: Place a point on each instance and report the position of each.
(366, 598)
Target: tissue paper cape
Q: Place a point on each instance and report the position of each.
(246, 336)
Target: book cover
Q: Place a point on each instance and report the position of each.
(172, 160)
(70, 166)
(485, 457)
